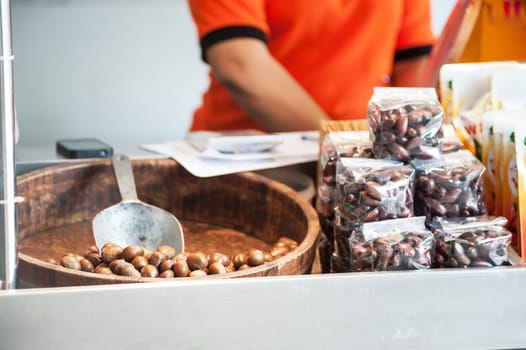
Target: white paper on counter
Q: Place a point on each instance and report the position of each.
(297, 147)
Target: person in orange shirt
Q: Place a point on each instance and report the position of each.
(286, 65)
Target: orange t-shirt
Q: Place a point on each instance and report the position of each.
(338, 50)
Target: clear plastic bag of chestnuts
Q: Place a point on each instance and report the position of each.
(344, 229)
(353, 144)
(480, 241)
(368, 190)
(405, 123)
(374, 189)
(392, 245)
(452, 186)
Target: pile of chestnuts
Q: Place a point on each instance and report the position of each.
(136, 261)
(412, 252)
(485, 247)
(406, 131)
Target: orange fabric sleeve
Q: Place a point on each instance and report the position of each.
(211, 15)
(416, 27)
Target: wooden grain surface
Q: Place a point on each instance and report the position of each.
(225, 214)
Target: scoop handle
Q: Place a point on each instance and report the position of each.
(124, 175)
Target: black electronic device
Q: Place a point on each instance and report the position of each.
(84, 148)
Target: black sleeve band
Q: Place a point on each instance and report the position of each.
(412, 52)
(230, 32)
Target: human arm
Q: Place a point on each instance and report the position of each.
(414, 44)
(262, 86)
(408, 72)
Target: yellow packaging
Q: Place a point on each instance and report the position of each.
(520, 147)
(447, 72)
(508, 164)
(498, 33)
(508, 93)
(465, 95)
(491, 177)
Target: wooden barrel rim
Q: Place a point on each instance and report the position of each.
(304, 250)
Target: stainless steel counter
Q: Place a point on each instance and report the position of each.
(453, 309)
(437, 309)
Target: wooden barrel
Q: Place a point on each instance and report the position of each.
(228, 214)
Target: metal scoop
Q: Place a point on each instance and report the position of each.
(132, 221)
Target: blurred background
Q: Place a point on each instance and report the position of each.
(125, 71)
